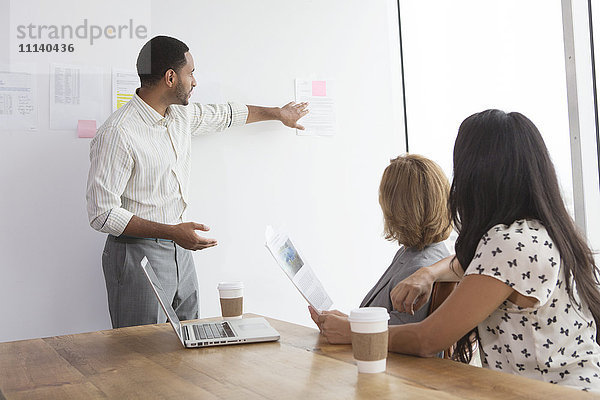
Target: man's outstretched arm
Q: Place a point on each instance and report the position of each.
(288, 114)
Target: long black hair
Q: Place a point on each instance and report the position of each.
(503, 173)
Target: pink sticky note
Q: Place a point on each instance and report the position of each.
(86, 128)
(319, 88)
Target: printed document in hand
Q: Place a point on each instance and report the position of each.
(302, 276)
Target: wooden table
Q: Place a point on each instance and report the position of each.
(149, 362)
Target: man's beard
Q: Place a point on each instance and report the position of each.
(181, 94)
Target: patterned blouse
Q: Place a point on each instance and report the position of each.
(553, 341)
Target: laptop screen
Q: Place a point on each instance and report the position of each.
(162, 297)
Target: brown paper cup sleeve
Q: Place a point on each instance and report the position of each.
(370, 346)
(232, 307)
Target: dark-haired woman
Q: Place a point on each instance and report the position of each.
(528, 291)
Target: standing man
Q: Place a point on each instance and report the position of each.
(137, 186)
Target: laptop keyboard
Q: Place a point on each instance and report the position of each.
(215, 330)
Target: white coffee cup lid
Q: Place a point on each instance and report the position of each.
(230, 285)
(369, 314)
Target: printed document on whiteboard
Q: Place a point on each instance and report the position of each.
(124, 84)
(300, 273)
(76, 93)
(18, 100)
(320, 121)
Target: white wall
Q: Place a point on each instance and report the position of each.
(323, 190)
(51, 279)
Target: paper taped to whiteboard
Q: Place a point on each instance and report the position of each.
(18, 100)
(76, 93)
(320, 121)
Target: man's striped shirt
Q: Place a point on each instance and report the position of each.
(141, 161)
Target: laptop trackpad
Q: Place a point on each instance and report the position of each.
(249, 326)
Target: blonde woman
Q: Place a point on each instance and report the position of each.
(413, 196)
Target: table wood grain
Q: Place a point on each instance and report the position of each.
(148, 362)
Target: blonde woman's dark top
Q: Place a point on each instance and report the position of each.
(406, 261)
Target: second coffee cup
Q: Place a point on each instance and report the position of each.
(231, 295)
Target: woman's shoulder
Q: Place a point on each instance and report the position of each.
(519, 233)
(430, 254)
(520, 237)
(520, 226)
(520, 254)
(435, 251)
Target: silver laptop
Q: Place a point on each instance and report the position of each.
(246, 330)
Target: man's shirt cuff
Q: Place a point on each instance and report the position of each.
(115, 223)
(239, 114)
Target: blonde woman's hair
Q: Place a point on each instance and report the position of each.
(413, 195)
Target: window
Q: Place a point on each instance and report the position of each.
(468, 56)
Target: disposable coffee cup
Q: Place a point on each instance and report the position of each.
(369, 326)
(231, 295)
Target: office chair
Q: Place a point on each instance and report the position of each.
(439, 293)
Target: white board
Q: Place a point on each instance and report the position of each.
(323, 190)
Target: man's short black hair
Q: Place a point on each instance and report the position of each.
(158, 55)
